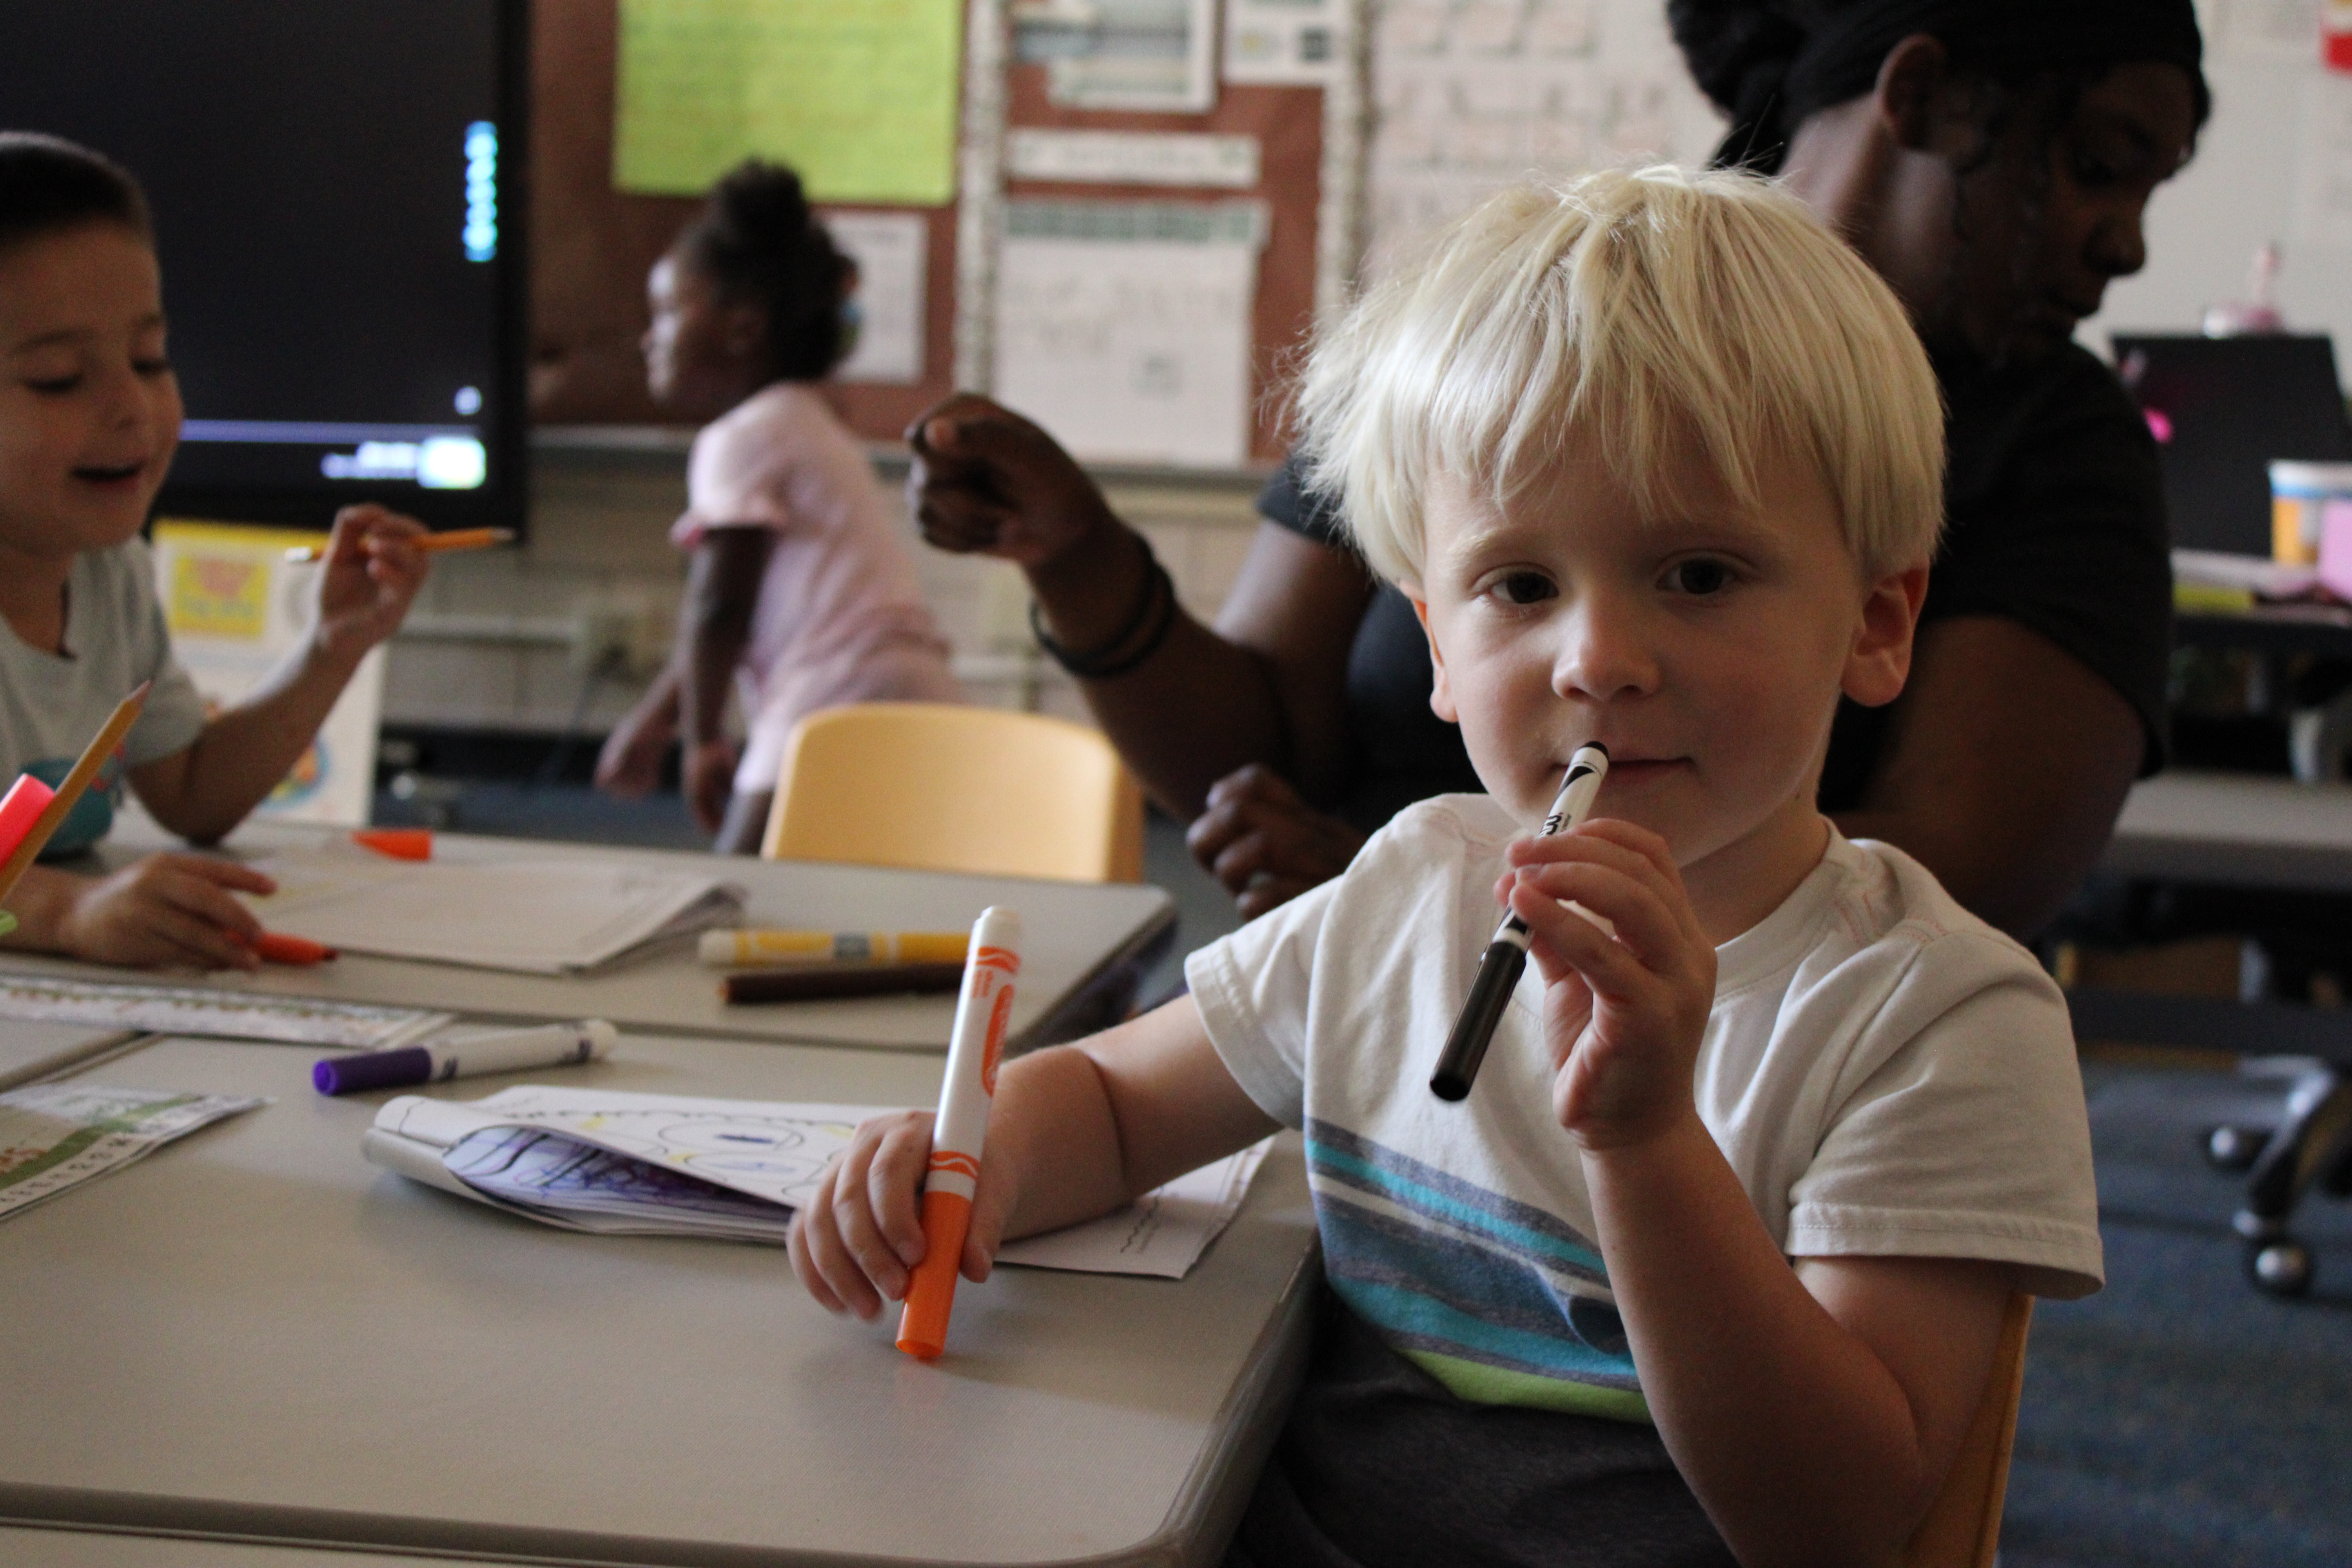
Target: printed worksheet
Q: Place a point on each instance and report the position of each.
(57, 1135)
(733, 1169)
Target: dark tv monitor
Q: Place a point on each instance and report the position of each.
(2221, 410)
(338, 198)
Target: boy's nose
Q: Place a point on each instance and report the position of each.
(1605, 651)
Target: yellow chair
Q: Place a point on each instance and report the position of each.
(1962, 1528)
(947, 788)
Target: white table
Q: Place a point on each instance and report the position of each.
(254, 1334)
(1081, 941)
(2239, 829)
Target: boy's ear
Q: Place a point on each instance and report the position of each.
(1911, 81)
(1879, 660)
(1441, 699)
(744, 330)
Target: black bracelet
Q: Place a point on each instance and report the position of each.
(1147, 629)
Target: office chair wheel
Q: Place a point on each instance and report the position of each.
(2279, 1267)
(2234, 1148)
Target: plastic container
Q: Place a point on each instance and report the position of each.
(2303, 498)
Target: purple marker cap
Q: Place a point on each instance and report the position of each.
(374, 1069)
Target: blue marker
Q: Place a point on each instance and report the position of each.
(507, 1050)
(1506, 956)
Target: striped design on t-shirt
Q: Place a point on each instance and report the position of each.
(1501, 1302)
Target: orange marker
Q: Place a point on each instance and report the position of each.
(431, 544)
(275, 947)
(952, 1179)
(397, 843)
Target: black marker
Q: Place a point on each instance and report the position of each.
(1506, 957)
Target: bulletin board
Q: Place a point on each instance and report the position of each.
(594, 244)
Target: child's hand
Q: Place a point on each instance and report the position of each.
(631, 762)
(707, 777)
(166, 909)
(856, 1243)
(372, 572)
(1624, 1015)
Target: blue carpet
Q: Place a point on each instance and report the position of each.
(2180, 1416)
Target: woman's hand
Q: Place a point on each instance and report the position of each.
(985, 479)
(1629, 977)
(372, 572)
(856, 1244)
(1265, 843)
(164, 910)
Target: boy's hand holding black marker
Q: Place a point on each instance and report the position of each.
(1625, 1004)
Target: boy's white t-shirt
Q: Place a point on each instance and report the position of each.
(841, 616)
(1888, 1075)
(52, 703)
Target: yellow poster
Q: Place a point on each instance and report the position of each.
(859, 96)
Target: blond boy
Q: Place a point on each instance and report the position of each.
(1711, 1263)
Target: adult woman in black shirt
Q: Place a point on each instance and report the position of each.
(1992, 159)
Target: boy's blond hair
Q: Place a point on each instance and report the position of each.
(1681, 316)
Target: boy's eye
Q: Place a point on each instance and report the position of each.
(1699, 577)
(54, 384)
(154, 366)
(1526, 588)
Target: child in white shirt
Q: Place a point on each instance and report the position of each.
(1711, 1263)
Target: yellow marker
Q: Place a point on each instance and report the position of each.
(952, 1178)
(723, 949)
(431, 544)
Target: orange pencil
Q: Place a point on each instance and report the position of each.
(93, 757)
(952, 1178)
(431, 544)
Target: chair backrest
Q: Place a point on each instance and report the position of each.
(949, 788)
(1962, 1528)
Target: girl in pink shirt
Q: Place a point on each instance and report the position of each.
(798, 592)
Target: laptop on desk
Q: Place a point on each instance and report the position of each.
(2222, 409)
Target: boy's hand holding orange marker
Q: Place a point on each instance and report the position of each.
(852, 1254)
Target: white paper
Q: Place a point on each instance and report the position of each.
(1285, 43)
(534, 916)
(236, 608)
(1163, 1233)
(1121, 54)
(1133, 157)
(892, 253)
(1474, 95)
(215, 1012)
(1130, 349)
(55, 1136)
(2283, 32)
(499, 1151)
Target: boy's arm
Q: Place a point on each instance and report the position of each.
(373, 570)
(1815, 1410)
(1075, 1131)
(163, 909)
(722, 589)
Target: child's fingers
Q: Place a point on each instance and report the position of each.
(894, 1184)
(1634, 852)
(830, 1256)
(870, 1253)
(804, 1269)
(812, 1248)
(229, 874)
(190, 888)
(1638, 918)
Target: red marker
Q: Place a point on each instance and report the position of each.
(974, 1049)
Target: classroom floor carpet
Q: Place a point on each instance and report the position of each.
(2176, 1417)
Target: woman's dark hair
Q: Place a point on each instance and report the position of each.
(1770, 63)
(47, 183)
(758, 241)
